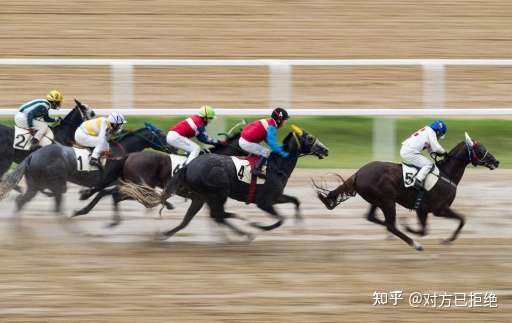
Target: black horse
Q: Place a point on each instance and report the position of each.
(64, 133)
(51, 167)
(154, 169)
(381, 184)
(212, 178)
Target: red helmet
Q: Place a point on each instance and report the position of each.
(279, 115)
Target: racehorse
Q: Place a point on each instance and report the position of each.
(382, 185)
(155, 169)
(64, 133)
(212, 178)
(51, 167)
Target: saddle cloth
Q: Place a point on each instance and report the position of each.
(177, 162)
(409, 173)
(244, 166)
(83, 156)
(22, 138)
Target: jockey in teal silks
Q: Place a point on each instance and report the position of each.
(34, 116)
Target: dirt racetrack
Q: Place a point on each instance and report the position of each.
(323, 270)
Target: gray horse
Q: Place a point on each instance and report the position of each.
(51, 167)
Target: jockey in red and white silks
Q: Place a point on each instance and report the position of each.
(179, 135)
(263, 130)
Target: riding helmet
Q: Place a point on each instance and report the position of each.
(207, 112)
(439, 127)
(55, 97)
(279, 115)
(116, 118)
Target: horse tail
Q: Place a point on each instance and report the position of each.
(12, 178)
(343, 192)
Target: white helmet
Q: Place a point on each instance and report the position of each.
(116, 118)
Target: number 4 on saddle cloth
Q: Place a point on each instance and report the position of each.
(244, 167)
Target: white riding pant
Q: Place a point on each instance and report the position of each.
(253, 148)
(417, 159)
(84, 139)
(20, 119)
(178, 141)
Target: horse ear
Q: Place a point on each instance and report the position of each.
(468, 140)
(78, 103)
(298, 131)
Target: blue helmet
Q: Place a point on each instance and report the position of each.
(439, 127)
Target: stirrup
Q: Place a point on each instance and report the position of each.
(94, 162)
(419, 185)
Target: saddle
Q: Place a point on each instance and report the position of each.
(409, 175)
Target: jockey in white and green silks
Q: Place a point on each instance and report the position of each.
(33, 115)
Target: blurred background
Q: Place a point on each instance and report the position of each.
(316, 272)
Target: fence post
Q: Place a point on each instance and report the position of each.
(384, 138)
(122, 84)
(433, 85)
(280, 91)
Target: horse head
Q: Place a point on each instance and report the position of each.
(156, 138)
(479, 155)
(305, 143)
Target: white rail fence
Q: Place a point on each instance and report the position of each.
(280, 88)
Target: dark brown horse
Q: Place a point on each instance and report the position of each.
(381, 184)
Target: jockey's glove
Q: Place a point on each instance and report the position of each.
(284, 154)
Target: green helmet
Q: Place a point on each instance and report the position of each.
(207, 112)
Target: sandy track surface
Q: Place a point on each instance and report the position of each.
(323, 270)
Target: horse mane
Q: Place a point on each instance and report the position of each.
(451, 154)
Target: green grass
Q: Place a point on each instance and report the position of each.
(349, 139)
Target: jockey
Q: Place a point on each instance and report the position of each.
(263, 130)
(94, 132)
(195, 126)
(30, 114)
(425, 138)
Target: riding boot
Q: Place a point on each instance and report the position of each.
(34, 144)
(419, 185)
(258, 169)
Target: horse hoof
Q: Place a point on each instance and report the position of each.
(446, 242)
(164, 236)
(112, 225)
(250, 237)
(417, 246)
(257, 225)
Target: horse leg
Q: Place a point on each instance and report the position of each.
(269, 208)
(422, 219)
(217, 212)
(23, 199)
(390, 216)
(291, 199)
(86, 209)
(372, 216)
(449, 213)
(194, 207)
(117, 197)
